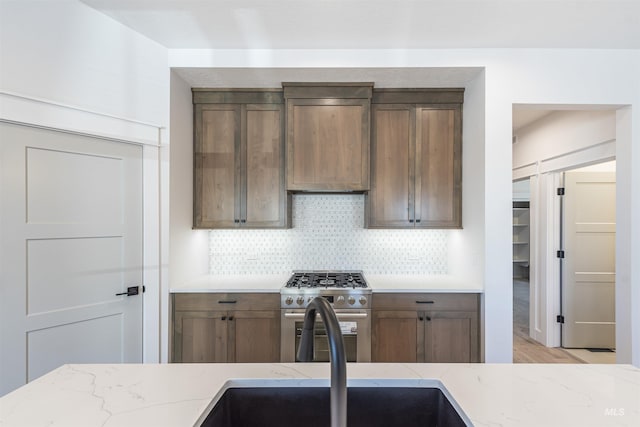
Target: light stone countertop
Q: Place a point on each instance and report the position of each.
(176, 395)
(379, 283)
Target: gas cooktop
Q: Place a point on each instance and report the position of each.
(343, 289)
(326, 280)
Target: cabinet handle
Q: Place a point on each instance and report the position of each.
(424, 302)
(230, 317)
(236, 221)
(231, 301)
(243, 221)
(417, 220)
(421, 318)
(411, 221)
(224, 317)
(428, 319)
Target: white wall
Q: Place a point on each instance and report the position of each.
(512, 76)
(68, 53)
(65, 65)
(188, 248)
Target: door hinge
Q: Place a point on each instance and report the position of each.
(560, 318)
(561, 191)
(560, 254)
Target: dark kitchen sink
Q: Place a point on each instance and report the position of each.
(309, 407)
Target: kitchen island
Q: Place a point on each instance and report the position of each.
(175, 395)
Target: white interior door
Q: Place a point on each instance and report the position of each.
(589, 225)
(71, 239)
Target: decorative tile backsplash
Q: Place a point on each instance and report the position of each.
(328, 234)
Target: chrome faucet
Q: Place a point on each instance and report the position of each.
(338, 357)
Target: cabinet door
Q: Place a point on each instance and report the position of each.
(438, 194)
(217, 166)
(254, 336)
(328, 144)
(200, 336)
(390, 201)
(398, 336)
(264, 200)
(451, 337)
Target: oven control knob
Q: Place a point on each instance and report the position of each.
(340, 299)
(363, 300)
(300, 300)
(288, 301)
(351, 300)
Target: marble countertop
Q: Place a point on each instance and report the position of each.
(176, 395)
(380, 283)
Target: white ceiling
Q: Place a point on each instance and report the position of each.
(375, 24)
(380, 24)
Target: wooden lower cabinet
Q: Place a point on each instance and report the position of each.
(243, 334)
(254, 337)
(402, 332)
(395, 336)
(451, 337)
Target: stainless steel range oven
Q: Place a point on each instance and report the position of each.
(350, 297)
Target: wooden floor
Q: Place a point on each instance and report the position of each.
(525, 349)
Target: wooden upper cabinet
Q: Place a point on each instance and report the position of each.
(239, 170)
(264, 201)
(391, 198)
(328, 136)
(438, 194)
(217, 166)
(416, 176)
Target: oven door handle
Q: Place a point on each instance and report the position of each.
(340, 316)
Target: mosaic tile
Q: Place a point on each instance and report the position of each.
(328, 234)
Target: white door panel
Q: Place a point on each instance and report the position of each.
(589, 263)
(81, 277)
(75, 343)
(71, 239)
(59, 197)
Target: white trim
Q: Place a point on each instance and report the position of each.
(74, 107)
(75, 132)
(35, 112)
(597, 153)
(525, 171)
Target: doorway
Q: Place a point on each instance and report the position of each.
(545, 145)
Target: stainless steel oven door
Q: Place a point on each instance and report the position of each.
(356, 331)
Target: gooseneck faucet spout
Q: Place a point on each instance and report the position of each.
(338, 357)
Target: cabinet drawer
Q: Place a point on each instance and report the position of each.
(426, 302)
(226, 301)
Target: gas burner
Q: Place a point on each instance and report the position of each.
(326, 279)
(343, 289)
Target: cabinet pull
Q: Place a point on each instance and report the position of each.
(421, 318)
(224, 317)
(243, 221)
(417, 220)
(428, 319)
(424, 302)
(230, 317)
(411, 221)
(236, 221)
(232, 301)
